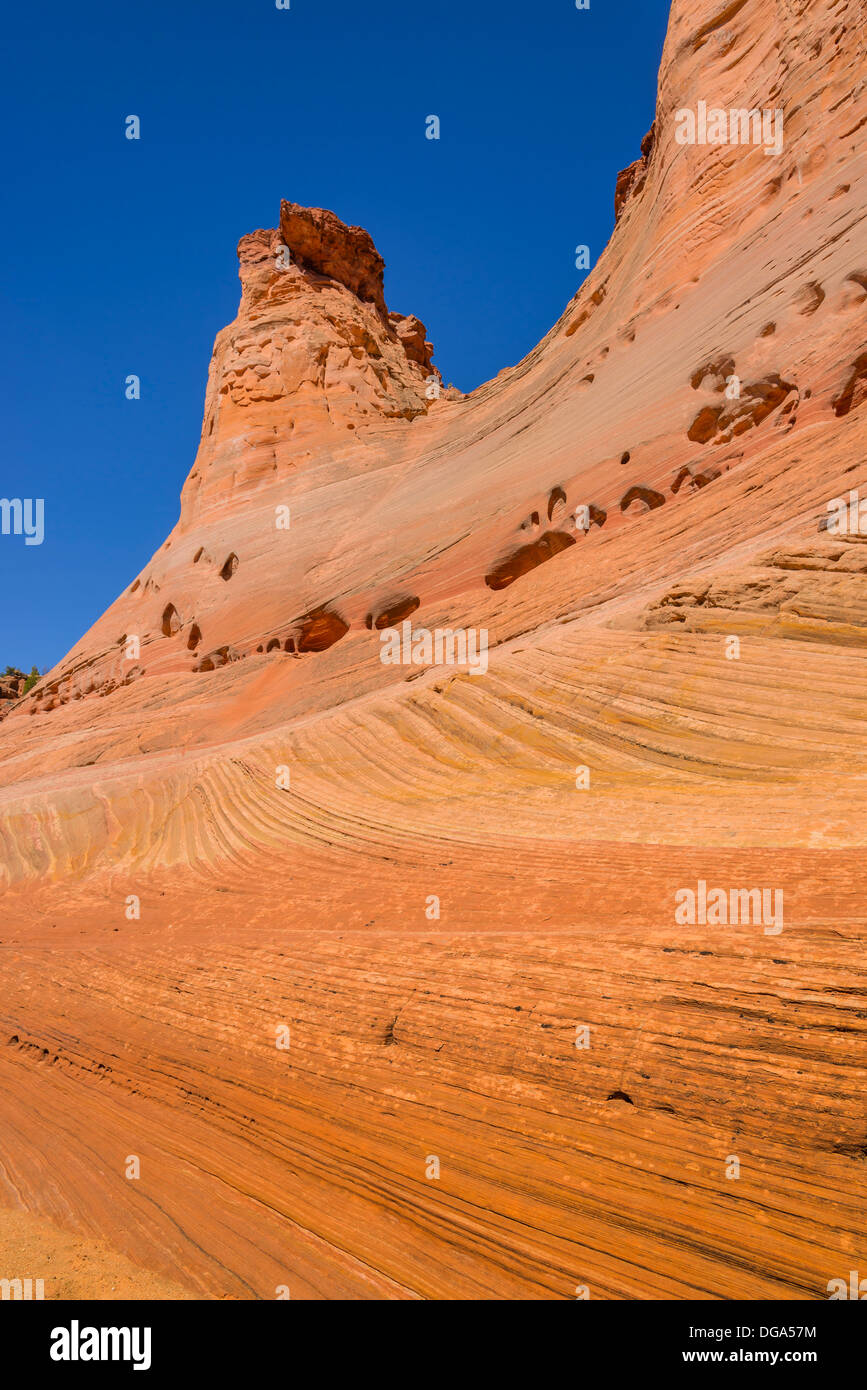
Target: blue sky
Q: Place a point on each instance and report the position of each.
(119, 255)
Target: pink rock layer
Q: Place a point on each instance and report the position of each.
(435, 880)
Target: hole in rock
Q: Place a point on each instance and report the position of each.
(704, 426)
(810, 298)
(708, 475)
(195, 637)
(639, 493)
(620, 1095)
(683, 475)
(527, 558)
(855, 390)
(221, 657)
(170, 621)
(556, 501)
(719, 369)
(396, 613)
(320, 630)
(229, 567)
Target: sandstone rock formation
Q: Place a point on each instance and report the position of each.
(222, 815)
(632, 179)
(14, 684)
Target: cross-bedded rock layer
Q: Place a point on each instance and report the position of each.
(697, 406)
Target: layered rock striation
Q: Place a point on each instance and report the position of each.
(436, 879)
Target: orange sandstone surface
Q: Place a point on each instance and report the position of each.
(288, 923)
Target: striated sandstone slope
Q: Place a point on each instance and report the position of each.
(339, 487)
